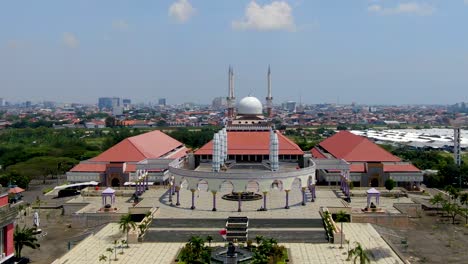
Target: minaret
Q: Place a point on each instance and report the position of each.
(231, 99)
(274, 150)
(215, 163)
(269, 98)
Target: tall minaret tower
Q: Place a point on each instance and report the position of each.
(231, 99)
(269, 98)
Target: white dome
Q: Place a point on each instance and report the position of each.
(249, 106)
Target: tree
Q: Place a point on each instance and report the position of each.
(110, 121)
(358, 253)
(268, 251)
(437, 199)
(24, 237)
(102, 257)
(258, 239)
(209, 239)
(110, 250)
(464, 201)
(452, 191)
(341, 127)
(452, 209)
(340, 218)
(195, 251)
(390, 184)
(125, 224)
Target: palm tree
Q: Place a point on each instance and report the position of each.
(464, 200)
(110, 250)
(341, 217)
(24, 237)
(358, 253)
(125, 224)
(102, 257)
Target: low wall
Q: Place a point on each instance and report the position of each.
(388, 220)
(139, 210)
(127, 192)
(94, 219)
(410, 209)
(71, 208)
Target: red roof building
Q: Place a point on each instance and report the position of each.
(252, 146)
(7, 226)
(370, 165)
(253, 143)
(114, 166)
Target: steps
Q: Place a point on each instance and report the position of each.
(284, 230)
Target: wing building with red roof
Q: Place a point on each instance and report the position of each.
(152, 151)
(370, 164)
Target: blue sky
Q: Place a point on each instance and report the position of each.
(363, 51)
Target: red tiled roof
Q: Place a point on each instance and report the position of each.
(130, 167)
(89, 167)
(317, 154)
(253, 143)
(350, 147)
(357, 167)
(178, 154)
(149, 145)
(400, 168)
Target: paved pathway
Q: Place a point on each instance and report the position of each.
(331, 253)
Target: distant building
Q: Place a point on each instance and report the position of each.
(290, 106)
(108, 102)
(117, 111)
(2, 102)
(219, 103)
(126, 103)
(162, 101)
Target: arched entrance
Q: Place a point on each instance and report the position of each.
(374, 182)
(115, 182)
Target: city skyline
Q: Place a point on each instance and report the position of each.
(368, 52)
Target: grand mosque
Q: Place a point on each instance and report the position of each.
(247, 158)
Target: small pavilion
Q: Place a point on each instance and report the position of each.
(373, 193)
(109, 192)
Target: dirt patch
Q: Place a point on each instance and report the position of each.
(57, 235)
(430, 239)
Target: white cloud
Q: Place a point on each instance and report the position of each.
(275, 16)
(70, 40)
(181, 11)
(120, 25)
(410, 8)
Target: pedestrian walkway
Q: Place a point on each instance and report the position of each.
(365, 234)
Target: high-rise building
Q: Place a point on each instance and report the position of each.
(219, 103)
(108, 102)
(290, 106)
(126, 103)
(162, 101)
(2, 102)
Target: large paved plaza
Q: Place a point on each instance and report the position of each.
(89, 250)
(152, 251)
